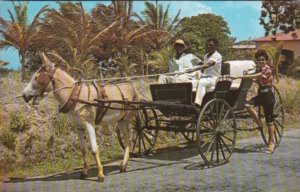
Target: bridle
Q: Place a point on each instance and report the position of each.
(45, 78)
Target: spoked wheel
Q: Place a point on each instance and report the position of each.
(278, 113)
(216, 132)
(190, 135)
(143, 138)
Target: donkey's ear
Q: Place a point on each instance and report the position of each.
(46, 62)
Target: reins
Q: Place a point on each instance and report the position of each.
(109, 80)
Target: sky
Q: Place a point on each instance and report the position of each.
(242, 17)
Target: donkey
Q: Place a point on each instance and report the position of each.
(69, 93)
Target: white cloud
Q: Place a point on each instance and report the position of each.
(189, 8)
(255, 5)
(203, 8)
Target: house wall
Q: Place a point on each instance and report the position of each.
(290, 45)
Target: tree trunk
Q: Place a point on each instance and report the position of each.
(23, 70)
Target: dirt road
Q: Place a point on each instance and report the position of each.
(182, 170)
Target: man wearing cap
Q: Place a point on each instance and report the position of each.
(181, 63)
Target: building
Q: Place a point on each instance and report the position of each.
(244, 49)
(290, 50)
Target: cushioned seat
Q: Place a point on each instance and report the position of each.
(237, 68)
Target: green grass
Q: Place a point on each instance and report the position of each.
(72, 161)
(47, 167)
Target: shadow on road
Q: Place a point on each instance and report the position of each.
(71, 175)
(187, 153)
(168, 156)
(173, 155)
(256, 148)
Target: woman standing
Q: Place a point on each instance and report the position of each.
(265, 96)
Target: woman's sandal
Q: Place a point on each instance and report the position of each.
(269, 150)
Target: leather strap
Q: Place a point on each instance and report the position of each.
(73, 99)
(100, 111)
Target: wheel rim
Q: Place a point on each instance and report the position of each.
(216, 132)
(278, 119)
(142, 138)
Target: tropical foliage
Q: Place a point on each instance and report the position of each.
(197, 29)
(109, 40)
(280, 15)
(18, 33)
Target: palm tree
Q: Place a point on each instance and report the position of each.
(158, 20)
(129, 38)
(17, 33)
(72, 34)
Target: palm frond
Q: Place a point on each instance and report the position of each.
(166, 17)
(160, 17)
(4, 24)
(12, 18)
(150, 12)
(5, 44)
(9, 38)
(103, 32)
(140, 19)
(35, 19)
(148, 33)
(55, 54)
(176, 21)
(133, 33)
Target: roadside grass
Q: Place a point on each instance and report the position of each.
(47, 167)
(71, 161)
(290, 93)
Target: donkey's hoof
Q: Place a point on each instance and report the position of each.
(101, 179)
(83, 176)
(123, 167)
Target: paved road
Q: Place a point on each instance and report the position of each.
(182, 170)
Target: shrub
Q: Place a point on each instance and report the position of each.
(8, 138)
(18, 122)
(61, 124)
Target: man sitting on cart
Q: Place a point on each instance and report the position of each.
(178, 65)
(211, 70)
(202, 82)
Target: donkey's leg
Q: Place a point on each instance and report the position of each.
(83, 148)
(124, 127)
(95, 151)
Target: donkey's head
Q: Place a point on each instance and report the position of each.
(40, 82)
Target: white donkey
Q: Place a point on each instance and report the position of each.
(67, 92)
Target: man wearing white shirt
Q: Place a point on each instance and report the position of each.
(181, 63)
(212, 70)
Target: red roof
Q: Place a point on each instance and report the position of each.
(291, 36)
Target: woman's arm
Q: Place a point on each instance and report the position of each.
(252, 76)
